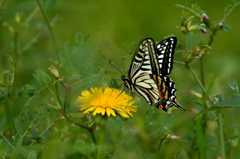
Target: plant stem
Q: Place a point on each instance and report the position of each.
(15, 56)
(202, 75)
(215, 107)
(221, 135)
(11, 80)
(162, 140)
(7, 141)
(205, 104)
(45, 17)
(90, 130)
(190, 10)
(230, 10)
(46, 20)
(65, 104)
(200, 135)
(196, 78)
(213, 34)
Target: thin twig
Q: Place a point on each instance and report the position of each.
(11, 84)
(180, 62)
(45, 17)
(90, 130)
(162, 141)
(196, 78)
(15, 56)
(202, 74)
(46, 20)
(229, 11)
(188, 9)
(64, 105)
(213, 35)
(215, 107)
(217, 27)
(49, 127)
(30, 16)
(7, 141)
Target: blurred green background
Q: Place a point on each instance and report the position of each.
(86, 36)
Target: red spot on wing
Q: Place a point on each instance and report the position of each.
(161, 106)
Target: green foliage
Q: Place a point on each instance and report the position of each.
(52, 50)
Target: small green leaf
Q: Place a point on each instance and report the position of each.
(32, 155)
(226, 28)
(231, 102)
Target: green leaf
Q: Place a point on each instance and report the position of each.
(41, 78)
(32, 155)
(230, 102)
(226, 28)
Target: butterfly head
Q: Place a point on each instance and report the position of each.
(163, 104)
(126, 82)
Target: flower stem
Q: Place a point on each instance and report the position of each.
(65, 104)
(90, 130)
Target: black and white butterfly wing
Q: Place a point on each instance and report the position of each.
(140, 73)
(146, 87)
(141, 60)
(171, 96)
(167, 88)
(165, 54)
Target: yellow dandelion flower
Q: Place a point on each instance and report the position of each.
(106, 102)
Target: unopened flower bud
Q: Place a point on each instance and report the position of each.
(203, 30)
(221, 24)
(204, 17)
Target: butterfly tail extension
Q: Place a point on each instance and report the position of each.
(178, 106)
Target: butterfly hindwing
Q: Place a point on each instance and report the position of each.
(165, 54)
(167, 88)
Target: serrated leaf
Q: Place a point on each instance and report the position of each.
(41, 77)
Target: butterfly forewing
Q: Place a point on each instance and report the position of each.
(140, 71)
(165, 53)
(141, 59)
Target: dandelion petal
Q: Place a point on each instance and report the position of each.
(106, 102)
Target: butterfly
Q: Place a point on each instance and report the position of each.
(149, 72)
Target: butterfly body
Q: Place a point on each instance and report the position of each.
(149, 72)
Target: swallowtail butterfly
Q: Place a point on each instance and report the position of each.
(149, 72)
